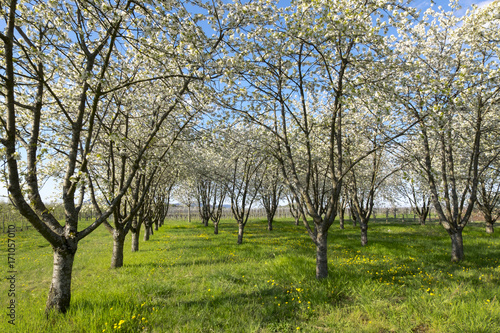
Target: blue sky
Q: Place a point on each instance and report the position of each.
(465, 4)
(49, 189)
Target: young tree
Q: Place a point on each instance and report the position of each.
(343, 203)
(245, 180)
(367, 176)
(61, 59)
(205, 190)
(184, 192)
(292, 207)
(218, 200)
(412, 189)
(488, 199)
(302, 64)
(203, 171)
(68, 87)
(451, 97)
(270, 193)
(118, 146)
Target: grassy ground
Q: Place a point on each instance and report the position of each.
(185, 279)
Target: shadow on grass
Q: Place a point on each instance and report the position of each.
(193, 262)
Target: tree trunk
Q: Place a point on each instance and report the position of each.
(269, 223)
(118, 243)
(489, 227)
(321, 255)
(156, 225)
(341, 218)
(297, 220)
(216, 228)
(205, 222)
(241, 226)
(146, 232)
(488, 221)
(60, 288)
(421, 219)
(457, 246)
(135, 239)
(364, 233)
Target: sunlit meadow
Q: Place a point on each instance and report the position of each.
(186, 279)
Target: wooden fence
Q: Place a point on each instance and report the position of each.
(10, 216)
(178, 213)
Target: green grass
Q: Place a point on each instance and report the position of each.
(185, 279)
